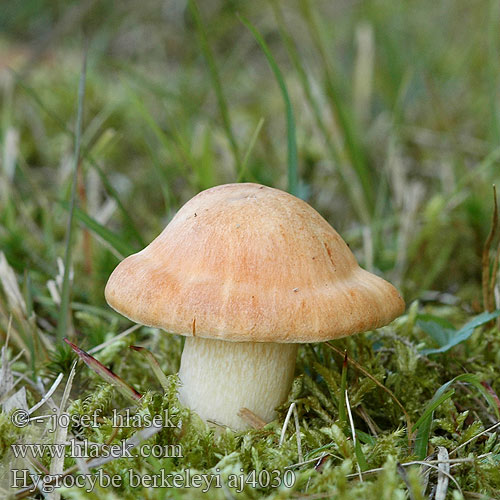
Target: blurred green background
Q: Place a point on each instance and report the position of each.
(395, 103)
(397, 128)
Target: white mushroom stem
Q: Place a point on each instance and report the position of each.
(218, 378)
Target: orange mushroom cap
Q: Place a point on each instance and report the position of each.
(249, 263)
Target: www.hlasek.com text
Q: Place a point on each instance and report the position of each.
(46, 484)
(87, 449)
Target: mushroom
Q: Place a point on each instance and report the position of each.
(247, 272)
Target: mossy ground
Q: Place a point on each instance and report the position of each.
(398, 135)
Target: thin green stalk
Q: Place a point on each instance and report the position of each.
(493, 69)
(107, 236)
(155, 366)
(354, 147)
(172, 146)
(424, 424)
(64, 311)
(353, 189)
(85, 153)
(114, 194)
(216, 81)
(293, 177)
(249, 150)
(342, 402)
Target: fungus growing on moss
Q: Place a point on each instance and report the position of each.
(246, 273)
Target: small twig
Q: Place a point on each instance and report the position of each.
(443, 475)
(374, 428)
(38, 464)
(26, 379)
(437, 467)
(48, 395)
(429, 463)
(475, 437)
(113, 435)
(479, 496)
(404, 477)
(310, 461)
(100, 347)
(251, 418)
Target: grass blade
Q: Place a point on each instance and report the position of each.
(175, 145)
(249, 150)
(216, 81)
(121, 248)
(424, 423)
(351, 186)
(437, 400)
(131, 226)
(362, 465)
(448, 338)
(85, 152)
(62, 324)
(353, 144)
(155, 366)
(377, 382)
(105, 373)
(360, 456)
(488, 293)
(342, 402)
(293, 180)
